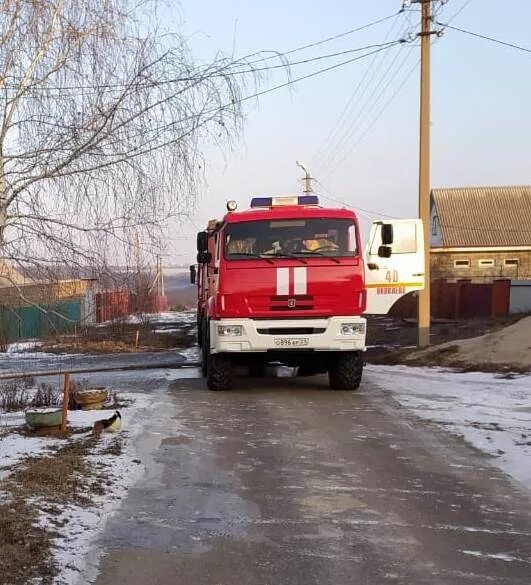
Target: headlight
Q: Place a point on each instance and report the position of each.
(230, 330)
(352, 328)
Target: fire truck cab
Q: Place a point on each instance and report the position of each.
(287, 281)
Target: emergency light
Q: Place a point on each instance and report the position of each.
(279, 201)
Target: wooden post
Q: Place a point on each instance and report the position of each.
(136, 339)
(66, 397)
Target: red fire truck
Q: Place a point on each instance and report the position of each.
(287, 282)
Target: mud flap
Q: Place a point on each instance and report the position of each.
(394, 262)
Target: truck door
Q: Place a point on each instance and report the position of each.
(393, 268)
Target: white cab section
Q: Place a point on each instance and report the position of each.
(388, 279)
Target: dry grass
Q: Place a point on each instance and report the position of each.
(24, 547)
(63, 477)
(44, 484)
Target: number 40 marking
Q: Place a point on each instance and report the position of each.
(391, 276)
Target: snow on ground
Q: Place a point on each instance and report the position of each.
(15, 447)
(491, 412)
(185, 317)
(192, 354)
(23, 346)
(83, 524)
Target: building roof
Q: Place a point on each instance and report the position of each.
(484, 216)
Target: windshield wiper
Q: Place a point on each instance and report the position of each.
(320, 253)
(252, 255)
(286, 255)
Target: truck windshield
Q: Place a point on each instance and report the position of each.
(299, 238)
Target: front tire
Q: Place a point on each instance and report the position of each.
(219, 372)
(345, 371)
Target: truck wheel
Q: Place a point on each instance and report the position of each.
(199, 330)
(219, 372)
(345, 371)
(205, 348)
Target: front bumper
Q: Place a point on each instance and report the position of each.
(282, 335)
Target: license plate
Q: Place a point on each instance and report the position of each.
(292, 341)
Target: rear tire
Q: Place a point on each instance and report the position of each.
(219, 372)
(345, 371)
(199, 330)
(205, 348)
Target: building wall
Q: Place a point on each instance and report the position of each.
(446, 265)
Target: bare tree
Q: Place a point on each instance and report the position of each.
(102, 119)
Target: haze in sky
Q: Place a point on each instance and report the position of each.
(356, 127)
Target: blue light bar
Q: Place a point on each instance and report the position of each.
(308, 200)
(261, 201)
(280, 201)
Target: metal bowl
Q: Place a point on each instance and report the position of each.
(43, 417)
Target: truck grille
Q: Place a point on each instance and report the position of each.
(292, 331)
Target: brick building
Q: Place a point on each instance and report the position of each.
(481, 233)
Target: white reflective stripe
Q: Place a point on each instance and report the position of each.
(282, 281)
(300, 280)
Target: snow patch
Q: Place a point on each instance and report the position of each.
(490, 412)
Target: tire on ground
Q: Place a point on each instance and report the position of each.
(199, 330)
(205, 347)
(219, 372)
(346, 370)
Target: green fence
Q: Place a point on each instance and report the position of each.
(34, 322)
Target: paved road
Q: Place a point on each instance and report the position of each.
(288, 483)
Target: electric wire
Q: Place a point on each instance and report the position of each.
(330, 138)
(224, 74)
(327, 40)
(484, 37)
(367, 212)
(381, 111)
(358, 115)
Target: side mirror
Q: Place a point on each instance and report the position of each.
(384, 252)
(193, 274)
(202, 241)
(387, 234)
(204, 257)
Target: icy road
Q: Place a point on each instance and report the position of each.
(282, 482)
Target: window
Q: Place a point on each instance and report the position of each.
(462, 263)
(511, 262)
(290, 237)
(488, 262)
(435, 225)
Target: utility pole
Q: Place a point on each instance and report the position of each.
(307, 179)
(424, 167)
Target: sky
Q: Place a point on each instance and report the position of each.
(366, 154)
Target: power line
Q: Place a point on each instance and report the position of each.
(318, 72)
(345, 133)
(459, 11)
(240, 61)
(331, 137)
(208, 114)
(368, 107)
(368, 212)
(381, 111)
(327, 40)
(484, 37)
